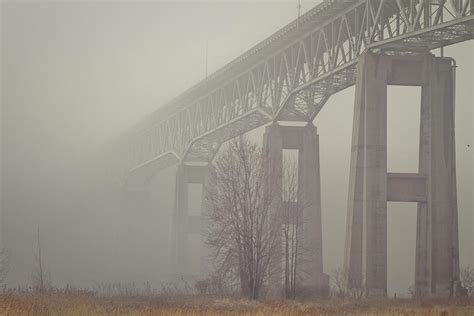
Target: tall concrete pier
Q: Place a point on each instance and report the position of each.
(186, 226)
(433, 187)
(306, 140)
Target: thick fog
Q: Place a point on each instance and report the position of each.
(75, 75)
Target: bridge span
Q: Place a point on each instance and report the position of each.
(289, 77)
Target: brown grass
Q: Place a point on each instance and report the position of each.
(57, 303)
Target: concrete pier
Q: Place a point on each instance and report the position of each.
(273, 149)
(437, 255)
(306, 140)
(186, 226)
(433, 187)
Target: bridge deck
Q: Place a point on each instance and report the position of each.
(290, 76)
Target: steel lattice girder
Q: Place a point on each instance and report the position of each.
(297, 78)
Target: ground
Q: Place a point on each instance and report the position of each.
(61, 303)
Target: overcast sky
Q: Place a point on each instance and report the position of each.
(76, 74)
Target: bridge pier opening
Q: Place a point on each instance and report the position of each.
(433, 187)
(401, 236)
(305, 139)
(403, 126)
(189, 252)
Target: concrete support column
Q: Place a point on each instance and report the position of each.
(366, 240)
(306, 141)
(437, 255)
(186, 226)
(309, 195)
(180, 222)
(273, 149)
(433, 187)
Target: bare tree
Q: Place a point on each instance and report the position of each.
(357, 292)
(467, 279)
(41, 277)
(242, 230)
(291, 226)
(292, 222)
(338, 279)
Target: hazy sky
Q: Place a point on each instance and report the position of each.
(75, 74)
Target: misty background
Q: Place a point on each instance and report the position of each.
(74, 75)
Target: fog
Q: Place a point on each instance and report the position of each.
(75, 75)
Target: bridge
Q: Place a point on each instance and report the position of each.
(289, 77)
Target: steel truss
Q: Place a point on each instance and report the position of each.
(291, 75)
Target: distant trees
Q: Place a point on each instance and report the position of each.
(464, 288)
(41, 276)
(3, 267)
(338, 280)
(242, 231)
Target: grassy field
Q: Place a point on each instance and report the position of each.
(60, 303)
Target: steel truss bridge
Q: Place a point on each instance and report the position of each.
(288, 77)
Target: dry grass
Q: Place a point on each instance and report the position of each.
(57, 303)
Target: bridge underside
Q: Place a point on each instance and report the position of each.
(355, 44)
(371, 187)
(306, 101)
